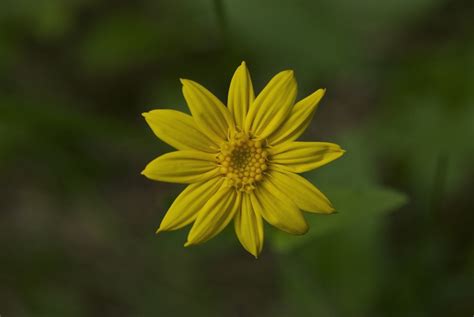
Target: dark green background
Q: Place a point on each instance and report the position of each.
(77, 219)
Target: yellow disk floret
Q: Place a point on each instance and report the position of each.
(243, 161)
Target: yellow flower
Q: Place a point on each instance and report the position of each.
(241, 161)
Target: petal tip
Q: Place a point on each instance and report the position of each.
(145, 114)
(254, 253)
(146, 174)
(289, 72)
(187, 244)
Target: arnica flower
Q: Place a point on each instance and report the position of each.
(241, 161)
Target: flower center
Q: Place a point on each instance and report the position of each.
(243, 161)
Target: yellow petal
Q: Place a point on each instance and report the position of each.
(298, 120)
(178, 130)
(299, 157)
(272, 106)
(215, 215)
(303, 193)
(186, 206)
(209, 113)
(278, 209)
(249, 227)
(182, 167)
(241, 95)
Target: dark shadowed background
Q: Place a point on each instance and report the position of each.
(77, 220)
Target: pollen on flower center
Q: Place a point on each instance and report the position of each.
(243, 161)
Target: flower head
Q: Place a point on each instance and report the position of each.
(241, 161)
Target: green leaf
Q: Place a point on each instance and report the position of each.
(353, 205)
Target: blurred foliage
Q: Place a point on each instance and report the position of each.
(77, 220)
(358, 204)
